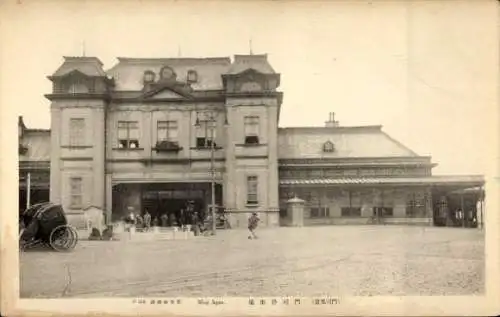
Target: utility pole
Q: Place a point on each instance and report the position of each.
(28, 190)
(212, 171)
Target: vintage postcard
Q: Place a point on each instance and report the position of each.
(271, 158)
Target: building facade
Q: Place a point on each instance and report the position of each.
(153, 133)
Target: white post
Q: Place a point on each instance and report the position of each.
(28, 190)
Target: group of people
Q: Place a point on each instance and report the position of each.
(182, 217)
(187, 216)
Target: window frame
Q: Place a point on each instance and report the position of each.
(204, 136)
(252, 180)
(251, 129)
(79, 194)
(126, 124)
(76, 135)
(350, 212)
(321, 212)
(167, 129)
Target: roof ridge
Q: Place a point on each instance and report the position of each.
(158, 59)
(377, 128)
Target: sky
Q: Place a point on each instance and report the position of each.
(427, 71)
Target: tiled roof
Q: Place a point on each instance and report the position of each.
(349, 142)
(456, 179)
(128, 73)
(256, 62)
(38, 144)
(90, 66)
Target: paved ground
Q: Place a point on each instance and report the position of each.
(334, 260)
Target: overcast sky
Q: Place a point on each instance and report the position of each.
(426, 71)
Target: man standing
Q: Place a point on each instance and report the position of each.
(253, 222)
(147, 220)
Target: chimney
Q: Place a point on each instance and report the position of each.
(331, 123)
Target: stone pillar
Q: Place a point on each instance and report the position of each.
(229, 178)
(55, 155)
(98, 166)
(109, 199)
(295, 212)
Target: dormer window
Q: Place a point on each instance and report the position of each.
(149, 77)
(192, 76)
(328, 147)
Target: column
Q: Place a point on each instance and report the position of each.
(229, 175)
(109, 199)
(98, 164)
(55, 156)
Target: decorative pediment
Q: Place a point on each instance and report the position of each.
(173, 91)
(166, 94)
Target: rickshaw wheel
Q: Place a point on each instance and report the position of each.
(63, 238)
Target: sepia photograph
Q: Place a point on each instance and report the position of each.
(249, 157)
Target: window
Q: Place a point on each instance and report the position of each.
(252, 186)
(76, 192)
(205, 136)
(128, 135)
(328, 147)
(251, 129)
(192, 76)
(76, 131)
(350, 211)
(383, 211)
(415, 205)
(320, 212)
(167, 131)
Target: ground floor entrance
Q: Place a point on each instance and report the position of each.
(169, 204)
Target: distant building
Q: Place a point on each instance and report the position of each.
(153, 133)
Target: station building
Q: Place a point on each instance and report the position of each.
(152, 133)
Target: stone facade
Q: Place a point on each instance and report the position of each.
(153, 130)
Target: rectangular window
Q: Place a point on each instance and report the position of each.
(251, 129)
(76, 192)
(205, 134)
(76, 131)
(167, 131)
(350, 211)
(383, 211)
(320, 212)
(128, 134)
(252, 190)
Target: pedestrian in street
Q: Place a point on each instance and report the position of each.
(253, 222)
(147, 220)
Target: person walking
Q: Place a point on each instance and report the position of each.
(253, 222)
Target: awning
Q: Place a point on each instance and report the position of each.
(472, 180)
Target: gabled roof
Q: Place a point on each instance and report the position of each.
(128, 73)
(349, 142)
(90, 66)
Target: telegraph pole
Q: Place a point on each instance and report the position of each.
(212, 170)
